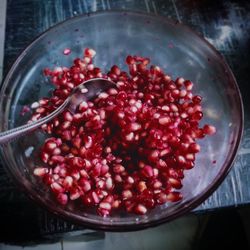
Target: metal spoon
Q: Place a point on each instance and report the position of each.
(94, 86)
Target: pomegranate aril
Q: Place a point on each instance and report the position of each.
(74, 194)
(105, 205)
(77, 142)
(194, 148)
(57, 188)
(118, 178)
(156, 184)
(85, 185)
(209, 130)
(115, 70)
(175, 183)
(183, 93)
(103, 212)
(104, 169)
(95, 197)
(44, 157)
(135, 126)
(87, 199)
(76, 174)
(116, 204)
(50, 146)
(174, 196)
(147, 171)
(89, 52)
(181, 159)
(67, 51)
(197, 116)
(197, 99)
(129, 137)
(68, 116)
(127, 194)
(68, 182)
(179, 82)
(189, 85)
(164, 120)
(56, 151)
(109, 183)
(40, 171)
(118, 169)
(161, 198)
(130, 60)
(188, 165)
(140, 209)
(62, 198)
(130, 180)
(100, 184)
(190, 157)
(141, 186)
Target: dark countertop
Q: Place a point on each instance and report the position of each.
(225, 24)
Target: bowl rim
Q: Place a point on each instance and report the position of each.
(186, 206)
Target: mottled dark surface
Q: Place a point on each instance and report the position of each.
(225, 24)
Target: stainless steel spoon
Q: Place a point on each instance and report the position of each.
(94, 88)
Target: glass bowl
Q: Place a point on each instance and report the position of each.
(114, 35)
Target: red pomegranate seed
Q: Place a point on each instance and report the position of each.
(89, 53)
(56, 151)
(194, 148)
(161, 198)
(109, 183)
(68, 182)
(209, 130)
(127, 194)
(140, 209)
(157, 184)
(103, 212)
(104, 169)
(57, 159)
(174, 196)
(190, 157)
(95, 197)
(130, 60)
(40, 171)
(130, 180)
(76, 174)
(147, 171)
(67, 51)
(74, 194)
(164, 120)
(56, 187)
(116, 204)
(141, 186)
(189, 85)
(62, 198)
(105, 205)
(197, 99)
(85, 185)
(44, 157)
(175, 183)
(100, 184)
(118, 168)
(135, 126)
(118, 178)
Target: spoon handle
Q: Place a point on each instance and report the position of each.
(14, 133)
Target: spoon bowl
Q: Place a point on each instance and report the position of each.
(83, 92)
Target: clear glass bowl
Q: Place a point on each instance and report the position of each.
(114, 35)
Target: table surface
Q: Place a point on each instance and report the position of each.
(225, 24)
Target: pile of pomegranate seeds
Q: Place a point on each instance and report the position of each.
(128, 148)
